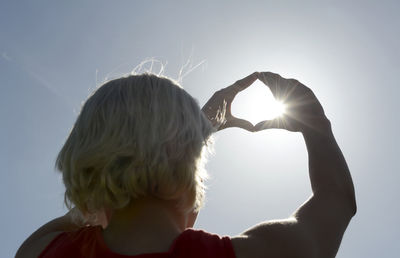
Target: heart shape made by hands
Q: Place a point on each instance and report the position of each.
(256, 104)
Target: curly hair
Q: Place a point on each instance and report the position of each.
(136, 136)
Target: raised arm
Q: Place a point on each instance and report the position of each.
(317, 227)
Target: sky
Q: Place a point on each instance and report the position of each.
(54, 53)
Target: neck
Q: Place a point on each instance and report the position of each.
(147, 212)
(144, 220)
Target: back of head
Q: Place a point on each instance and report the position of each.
(136, 136)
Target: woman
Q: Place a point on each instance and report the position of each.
(133, 166)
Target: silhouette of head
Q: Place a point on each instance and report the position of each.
(136, 136)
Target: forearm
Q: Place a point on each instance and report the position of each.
(329, 173)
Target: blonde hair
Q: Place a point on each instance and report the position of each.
(136, 136)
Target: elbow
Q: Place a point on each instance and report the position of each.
(343, 200)
(348, 198)
(353, 206)
(349, 202)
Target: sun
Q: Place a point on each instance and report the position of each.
(256, 104)
(275, 109)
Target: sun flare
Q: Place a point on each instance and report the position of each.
(275, 109)
(256, 104)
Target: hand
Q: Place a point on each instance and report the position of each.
(218, 107)
(81, 220)
(303, 111)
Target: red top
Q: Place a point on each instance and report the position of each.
(88, 242)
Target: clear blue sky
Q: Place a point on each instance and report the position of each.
(346, 51)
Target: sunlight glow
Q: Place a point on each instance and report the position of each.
(256, 104)
(275, 109)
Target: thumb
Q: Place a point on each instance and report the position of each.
(276, 123)
(236, 122)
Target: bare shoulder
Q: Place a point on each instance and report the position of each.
(278, 238)
(34, 247)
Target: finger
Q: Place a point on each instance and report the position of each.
(240, 123)
(268, 77)
(269, 124)
(243, 83)
(272, 80)
(231, 91)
